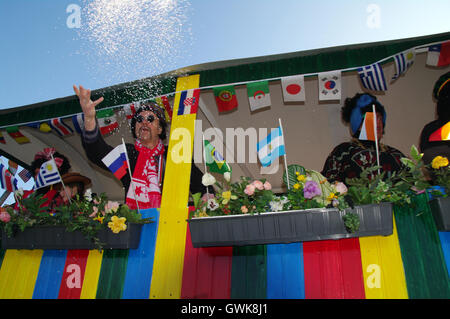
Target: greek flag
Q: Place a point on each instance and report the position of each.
(271, 147)
(48, 174)
(372, 77)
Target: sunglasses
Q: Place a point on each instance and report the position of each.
(141, 119)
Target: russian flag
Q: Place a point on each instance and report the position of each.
(116, 161)
(439, 54)
(189, 102)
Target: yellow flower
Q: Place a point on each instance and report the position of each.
(297, 173)
(439, 161)
(296, 185)
(227, 196)
(331, 196)
(301, 178)
(117, 224)
(100, 219)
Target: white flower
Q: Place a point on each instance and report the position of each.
(276, 206)
(227, 176)
(340, 187)
(208, 179)
(88, 194)
(212, 204)
(19, 192)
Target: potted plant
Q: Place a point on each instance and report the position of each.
(85, 223)
(440, 202)
(248, 212)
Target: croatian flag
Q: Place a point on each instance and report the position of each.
(372, 77)
(48, 174)
(439, 54)
(189, 102)
(116, 161)
(60, 127)
(271, 147)
(7, 181)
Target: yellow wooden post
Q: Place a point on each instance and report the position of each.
(170, 243)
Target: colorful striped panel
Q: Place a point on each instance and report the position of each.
(445, 244)
(73, 275)
(206, 272)
(249, 272)
(285, 276)
(139, 270)
(425, 269)
(333, 269)
(91, 274)
(50, 273)
(112, 274)
(171, 240)
(384, 277)
(18, 273)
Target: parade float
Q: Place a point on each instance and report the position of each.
(407, 257)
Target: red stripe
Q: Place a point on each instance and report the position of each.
(196, 95)
(120, 172)
(206, 271)
(61, 127)
(108, 129)
(73, 276)
(333, 269)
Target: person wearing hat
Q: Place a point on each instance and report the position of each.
(147, 155)
(74, 184)
(349, 159)
(430, 144)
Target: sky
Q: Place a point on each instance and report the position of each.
(49, 45)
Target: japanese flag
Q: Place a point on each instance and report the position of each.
(293, 88)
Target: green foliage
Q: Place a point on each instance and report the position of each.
(351, 222)
(82, 214)
(293, 170)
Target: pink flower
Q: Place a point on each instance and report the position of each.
(258, 184)
(267, 186)
(250, 189)
(244, 209)
(4, 216)
(207, 197)
(95, 211)
(341, 188)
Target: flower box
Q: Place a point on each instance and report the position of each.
(440, 208)
(289, 226)
(56, 237)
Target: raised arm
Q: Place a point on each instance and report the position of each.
(88, 106)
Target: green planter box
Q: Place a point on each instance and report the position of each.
(56, 237)
(289, 226)
(440, 208)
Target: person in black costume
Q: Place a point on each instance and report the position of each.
(431, 149)
(147, 156)
(348, 159)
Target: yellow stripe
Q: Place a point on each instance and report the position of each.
(91, 275)
(384, 276)
(19, 272)
(170, 243)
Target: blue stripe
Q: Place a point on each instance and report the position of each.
(272, 135)
(445, 243)
(118, 163)
(181, 106)
(285, 273)
(279, 151)
(50, 274)
(138, 275)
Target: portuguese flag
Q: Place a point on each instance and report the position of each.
(225, 98)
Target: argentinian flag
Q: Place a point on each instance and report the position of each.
(271, 147)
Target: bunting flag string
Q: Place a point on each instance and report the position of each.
(330, 88)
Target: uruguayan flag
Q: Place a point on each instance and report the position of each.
(48, 174)
(271, 147)
(372, 77)
(403, 61)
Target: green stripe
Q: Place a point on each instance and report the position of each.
(112, 274)
(423, 260)
(249, 272)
